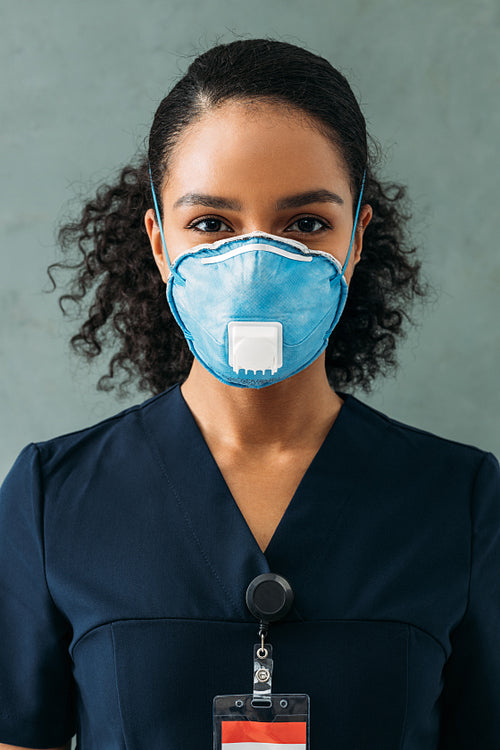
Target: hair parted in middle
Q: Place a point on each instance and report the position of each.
(116, 277)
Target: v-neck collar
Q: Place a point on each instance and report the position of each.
(307, 526)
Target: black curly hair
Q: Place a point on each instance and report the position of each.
(115, 276)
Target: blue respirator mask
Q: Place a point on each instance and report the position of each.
(256, 308)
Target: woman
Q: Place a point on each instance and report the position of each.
(127, 548)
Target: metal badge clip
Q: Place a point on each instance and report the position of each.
(262, 673)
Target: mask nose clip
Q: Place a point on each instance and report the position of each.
(255, 345)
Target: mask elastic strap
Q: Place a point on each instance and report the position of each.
(157, 210)
(355, 222)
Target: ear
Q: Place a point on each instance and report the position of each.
(364, 218)
(155, 240)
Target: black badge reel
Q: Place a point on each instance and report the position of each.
(262, 719)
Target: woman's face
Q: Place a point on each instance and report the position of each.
(244, 168)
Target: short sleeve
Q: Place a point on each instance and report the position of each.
(471, 693)
(36, 682)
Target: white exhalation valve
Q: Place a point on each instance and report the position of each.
(255, 345)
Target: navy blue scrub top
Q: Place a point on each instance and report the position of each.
(124, 562)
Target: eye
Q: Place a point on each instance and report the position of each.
(306, 225)
(213, 225)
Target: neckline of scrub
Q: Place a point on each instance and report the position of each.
(215, 532)
(315, 464)
(347, 398)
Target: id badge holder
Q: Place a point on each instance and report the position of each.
(262, 720)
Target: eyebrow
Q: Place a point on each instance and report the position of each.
(290, 201)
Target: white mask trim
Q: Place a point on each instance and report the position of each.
(260, 246)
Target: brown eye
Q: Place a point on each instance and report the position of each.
(307, 225)
(212, 225)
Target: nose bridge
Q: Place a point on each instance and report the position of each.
(257, 223)
(259, 216)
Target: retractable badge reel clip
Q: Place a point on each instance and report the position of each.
(262, 718)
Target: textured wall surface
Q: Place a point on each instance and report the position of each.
(80, 83)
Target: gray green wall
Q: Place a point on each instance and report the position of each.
(80, 83)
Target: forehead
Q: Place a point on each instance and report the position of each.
(263, 147)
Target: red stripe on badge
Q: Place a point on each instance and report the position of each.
(285, 732)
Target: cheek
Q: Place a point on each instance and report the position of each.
(348, 273)
(176, 242)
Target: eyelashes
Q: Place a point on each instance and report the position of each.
(323, 224)
(215, 220)
(208, 219)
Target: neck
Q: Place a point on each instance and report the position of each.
(285, 416)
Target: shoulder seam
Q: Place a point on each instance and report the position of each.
(411, 428)
(42, 521)
(107, 420)
(471, 509)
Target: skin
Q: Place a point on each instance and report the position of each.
(257, 154)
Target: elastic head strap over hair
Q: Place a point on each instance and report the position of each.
(355, 222)
(157, 210)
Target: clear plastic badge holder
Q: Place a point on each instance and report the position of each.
(261, 720)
